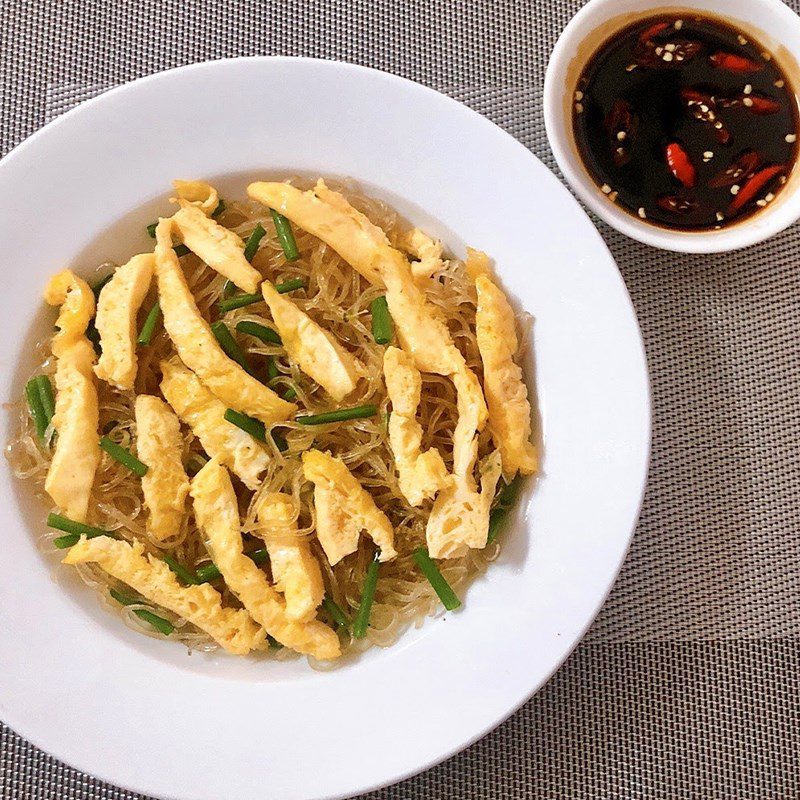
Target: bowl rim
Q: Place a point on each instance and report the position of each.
(752, 230)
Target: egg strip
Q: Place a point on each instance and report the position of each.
(344, 509)
(311, 347)
(117, 308)
(219, 247)
(295, 571)
(217, 515)
(205, 415)
(427, 252)
(159, 445)
(200, 194)
(420, 474)
(77, 449)
(197, 346)
(153, 579)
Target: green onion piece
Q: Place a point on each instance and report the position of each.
(290, 394)
(285, 236)
(251, 246)
(230, 345)
(125, 457)
(228, 288)
(210, 572)
(151, 230)
(181, 250)
(93, 335)
(255, 427)
(98, 287)
(122, 598)
(35, 407)
(149, 326)
(272, 369)
(273, 643)
(382, 328)
(340, 415)
(219, 209)
(280, 442)
(505, 499)
(159, 623)
(290, 285)
(46, 396)
(239, 301)
(442, 588)
(181, 571)
(262, 332)
(74, 529)
(367, 596)
(335, 613)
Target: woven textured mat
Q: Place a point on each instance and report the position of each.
(687, 684)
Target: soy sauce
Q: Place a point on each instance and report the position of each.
(686, 122)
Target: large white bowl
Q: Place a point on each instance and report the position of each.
(143, 713)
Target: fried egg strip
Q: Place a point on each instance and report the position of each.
(344, 509)
(217, 515)
(427, 252)
(153, 579)
(200, 194)
(198, 348)
(295, 570)
(159, 445)
(117, 308)
(77, 449)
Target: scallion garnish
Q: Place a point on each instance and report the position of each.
(290, 394)
(285, 236)
(505, 499)
(210, 572)
(149, 326)
(335, 612)
(239, 301)
(340, 415)
(181, 571)
(361, 622)
(230, 345)
(35, 407)
(74, 529)
(251, 246)
(290, 286)
(98, 287)
(262, 332)
(219, 209)
(255, 427)
(123, 456)
(181, 250)
(151, 229)
(272, 369)
(46, 396)
(228, 289)
(442, 588)
(382, 328)
(159, 623)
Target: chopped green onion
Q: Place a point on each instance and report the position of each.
(367, 596)
(505, 499)
(228, 289)
(98, 287)
(151, 229)
(74, 529)
(195, 463)
(149, 326)
(125, 457)
(280, 442)
(181, 571)
(273, 643)
(290, 394)
(442, 588)
(255, 427)
(239, 301)
(340, 415)
(159, 623)
(290, 285)
(251, 246)
(122, 598)
(93, 335)
(181, 250)
(382, 328)
(285, 235)
(335, 613)
(35, 407)
(210, 572)
(219, 209)
(46, 396)
(262, 332)
(272, 369)
(230, 345)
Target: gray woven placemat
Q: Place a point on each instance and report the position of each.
(687, 685)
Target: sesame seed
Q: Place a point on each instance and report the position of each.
(790, 137)
(659, 50)
(769, 197)
(718, 125)
(630, 68)
(605, 189)
(747, 89)
(613, 197)
(748, 101)
(667, 56)
(670, 47)
(735, 189)
(761, 203)
(708, 155)
(642, 213)
(782, 179)
(766, 56)
(678, 24)
(704, 108)
(621, 151)
(718, 227)
(720, 216)
(679, 56)
(579, 108)
(579, 95)
(742, 40)
(780, 84)
(621, 136)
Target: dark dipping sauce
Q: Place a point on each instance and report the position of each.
(686, 122)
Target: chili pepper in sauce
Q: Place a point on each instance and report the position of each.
(686, 122)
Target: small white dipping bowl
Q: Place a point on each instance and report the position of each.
(769, 22)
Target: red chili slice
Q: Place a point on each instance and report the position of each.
(744, 166)
(675, 204)
(734, 63)
(703, 108)
(761, 105)
(622, 124)
(754, 185)
(650, 33)
(680, 165)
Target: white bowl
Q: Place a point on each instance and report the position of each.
(770, 22)
(144, 714)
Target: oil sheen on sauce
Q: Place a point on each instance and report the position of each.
(686, 122)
